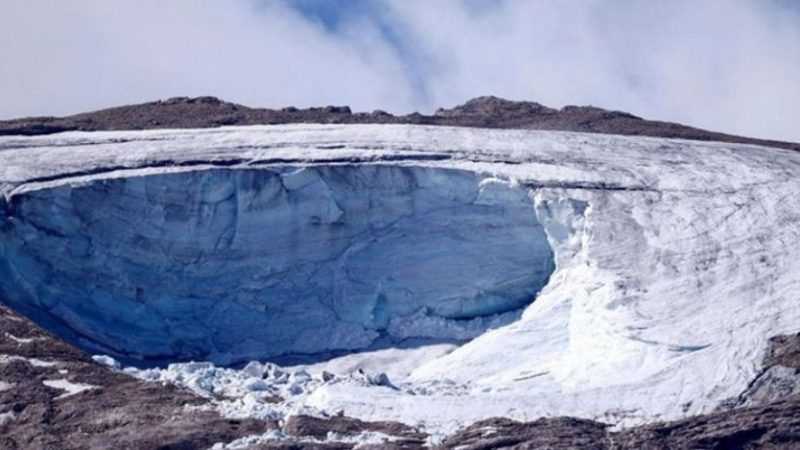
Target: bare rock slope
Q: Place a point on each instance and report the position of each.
(54, 396)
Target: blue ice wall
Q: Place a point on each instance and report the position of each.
(233, 264)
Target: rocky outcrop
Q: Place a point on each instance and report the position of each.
(779, 377)
(485, 112)
(403, 436)
(784, 351)
(557, 434)
(54, 396)
(308, 426)
(772, 426)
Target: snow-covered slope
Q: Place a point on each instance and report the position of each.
(674, 262)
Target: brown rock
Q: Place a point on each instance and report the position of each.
(784, 351)
(117, 412)
(555, 434)
(485, 112)
(318, 428)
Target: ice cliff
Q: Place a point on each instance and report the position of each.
(232, 265)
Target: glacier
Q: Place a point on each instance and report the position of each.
(637, 279)
(233, 265)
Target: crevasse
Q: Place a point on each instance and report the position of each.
(229, 265)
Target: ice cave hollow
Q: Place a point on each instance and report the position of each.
(231, 264)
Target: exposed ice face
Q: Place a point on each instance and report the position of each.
(236, 264)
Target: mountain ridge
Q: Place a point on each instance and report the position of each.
(479, 112)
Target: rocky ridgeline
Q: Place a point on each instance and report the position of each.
(484, 112)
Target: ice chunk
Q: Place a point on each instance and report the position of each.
(107, 361)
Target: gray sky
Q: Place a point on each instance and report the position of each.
(727, 65)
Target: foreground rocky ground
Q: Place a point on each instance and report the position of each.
(484, 112)
(52, 396)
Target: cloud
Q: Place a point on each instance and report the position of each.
(721, 64)
(728, 65)
(64, 56)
